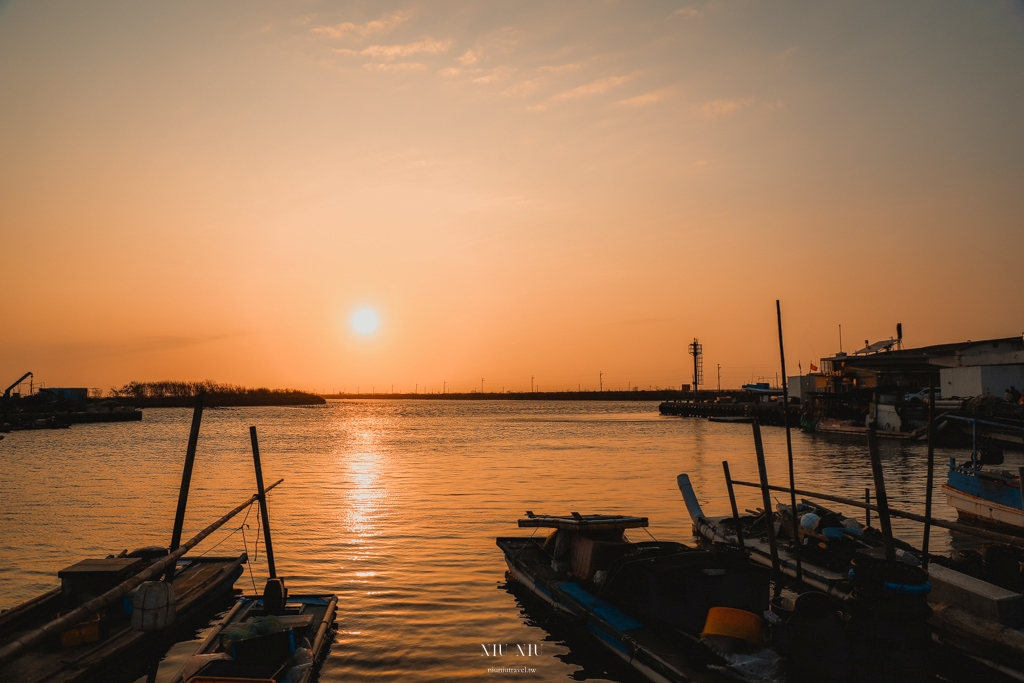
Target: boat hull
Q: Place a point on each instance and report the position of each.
(660, 653)
(990, 513)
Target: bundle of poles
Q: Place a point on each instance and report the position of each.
(881, 505)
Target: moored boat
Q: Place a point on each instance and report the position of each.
(970, 619)
(108, 642)
(273, 637)
(990, 498)
(671, 612)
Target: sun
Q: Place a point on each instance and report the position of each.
(365, 321)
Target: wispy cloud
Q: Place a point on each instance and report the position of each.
(395, 66)
(347, 28)
(429, 47)
(688, 12)
(495, 75)
(598, 87)
(559, 68)
(469, 57)
(715, 108)
(652, 97)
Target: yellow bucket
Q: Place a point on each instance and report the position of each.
(734, 623)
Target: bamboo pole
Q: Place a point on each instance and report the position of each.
(789, 445)
(867, 508)
(880, 495)
(18, 647)
(732, 501)
(762, 471)
(186, 481)
(930, 479)
(1008, 539)
(263, 501)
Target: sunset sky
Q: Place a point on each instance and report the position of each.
(198, 190)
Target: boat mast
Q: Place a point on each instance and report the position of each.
(186, 481)
(263, 501)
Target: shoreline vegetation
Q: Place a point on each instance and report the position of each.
(632, 395)
(169, 394)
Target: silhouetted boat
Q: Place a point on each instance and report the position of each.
(106, 643)
(671, 612)
(968, 616)
(273, 637)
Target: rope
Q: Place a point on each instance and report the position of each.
(535, 530)
(230, 534)
(249, 564)
(245, 544)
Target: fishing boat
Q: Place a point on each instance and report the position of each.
(109, 614)
(968, 617)
(990, 498)
(108, 642)
(855, 428)
(982, 496)
(671, 612)
(274, 637)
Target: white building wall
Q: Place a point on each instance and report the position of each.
(974, 380)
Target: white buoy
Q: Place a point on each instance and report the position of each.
(153, 608)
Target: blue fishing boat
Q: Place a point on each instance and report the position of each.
(671, 612)
(991, 498)
(988, 497)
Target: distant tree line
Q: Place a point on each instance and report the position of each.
(169, 393)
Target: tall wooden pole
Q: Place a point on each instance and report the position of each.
(867, 509)
(930, 479)
(880, 497)
(732, 501)
(186, 481)
(766, 500)
(789, 444)
(262, 494)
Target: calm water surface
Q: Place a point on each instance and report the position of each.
(394, 506)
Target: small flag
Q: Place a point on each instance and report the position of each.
(814, 368)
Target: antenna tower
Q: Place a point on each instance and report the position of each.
(697, 351)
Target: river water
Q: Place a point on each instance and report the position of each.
(395, 505)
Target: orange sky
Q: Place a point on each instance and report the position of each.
(210, 190)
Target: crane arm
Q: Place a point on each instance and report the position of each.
(7, 391)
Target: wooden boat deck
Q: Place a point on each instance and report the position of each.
(311, 618)
(197, 582)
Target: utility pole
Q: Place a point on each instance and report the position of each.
(481, 385)
(600, 381)
(444, 387)
(840, 339)
(531, 384)
(719, 376)
(417, 387)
